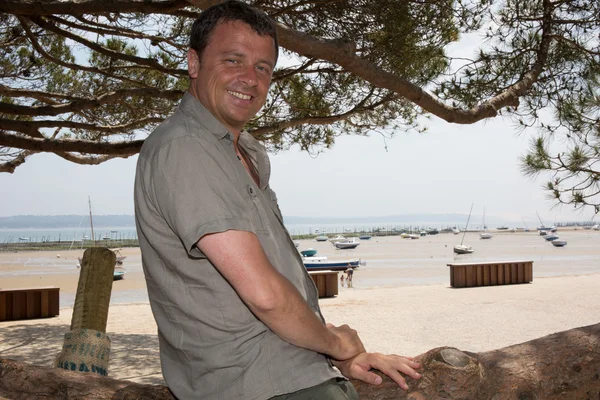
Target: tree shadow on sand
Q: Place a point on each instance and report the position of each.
(134, 357)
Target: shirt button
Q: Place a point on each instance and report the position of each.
(250, 190)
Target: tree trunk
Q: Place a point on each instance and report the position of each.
(565, 365)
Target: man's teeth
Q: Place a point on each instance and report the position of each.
(239, 95)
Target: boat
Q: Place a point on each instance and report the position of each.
(296, 243)
(324, 264)
(119, 274)
(106, 236)
(365, 237)
(484, 234)
(559, 243)
(463, 248)
(455, 230)
(596, 227)
(321, 238)
(404, 235)
(543, 227)
(338, 238)
(23, 238)
(433, 231)
(502, 228)
(550, 237)
(308, 252)
(347, 244)
(413, 236)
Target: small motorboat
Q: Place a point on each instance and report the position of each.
(485, 235)
(347, 244)
(323, 264)
(338, 238)
(119, 274)
(559, 243)
(550, 237)
(308, 252)
(321, 238)
(365, 237)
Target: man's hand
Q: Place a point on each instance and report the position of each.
(358, 368)
(350, 344)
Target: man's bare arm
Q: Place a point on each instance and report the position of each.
(240, 258)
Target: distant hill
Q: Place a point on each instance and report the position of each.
(64, 221)
(75, 221)
(404, 218)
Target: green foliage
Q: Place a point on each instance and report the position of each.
(111, 76)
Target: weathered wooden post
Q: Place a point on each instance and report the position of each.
(86, 347)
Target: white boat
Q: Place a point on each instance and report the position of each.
(413, 236)
(455, 230)
(484, 234)
(404, 235)
(321, 238)
(338, 238)
(365, 237)
(559, 243)
(322, 264)
(596, 227)
(347, 244)
(463, 249)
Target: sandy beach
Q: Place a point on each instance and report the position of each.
(401, 303)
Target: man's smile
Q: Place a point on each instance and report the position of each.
(239, 95)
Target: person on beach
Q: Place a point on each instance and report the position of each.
(237, 313)
(349, 273)
(342, 277)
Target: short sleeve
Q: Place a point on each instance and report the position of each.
(197, 191)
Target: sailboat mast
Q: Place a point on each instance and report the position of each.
(92, 222)
(466, 227)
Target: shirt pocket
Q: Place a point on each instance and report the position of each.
(259, 217)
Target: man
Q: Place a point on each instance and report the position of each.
(237, 313)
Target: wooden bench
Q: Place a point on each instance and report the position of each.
(28, 303)
(326, 282)
(490, 273)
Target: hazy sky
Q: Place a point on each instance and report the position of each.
(441, 171)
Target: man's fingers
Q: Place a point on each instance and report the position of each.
(395, 375)
(365, 376)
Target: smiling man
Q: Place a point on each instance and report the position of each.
(237, 313)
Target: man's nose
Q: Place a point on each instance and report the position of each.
(248, 76)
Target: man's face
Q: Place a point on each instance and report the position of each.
(232, 78)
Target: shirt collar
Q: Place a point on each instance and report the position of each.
(192, 107)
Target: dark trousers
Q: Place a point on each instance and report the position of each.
(333, 389)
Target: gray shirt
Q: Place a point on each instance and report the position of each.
(189, 183)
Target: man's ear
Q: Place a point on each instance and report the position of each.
(193, 63)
